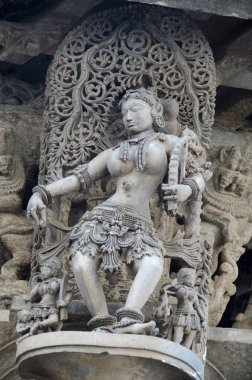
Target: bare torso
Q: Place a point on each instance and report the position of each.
(186, 298)
(47, 290)
(133, 187)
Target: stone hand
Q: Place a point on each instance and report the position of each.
(37, 209)
(177, 193)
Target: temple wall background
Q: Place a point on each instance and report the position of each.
(29, 36)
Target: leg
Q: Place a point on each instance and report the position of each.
(50, 323)
(188, 341)
(149, 271)
(85, 272)
(178, 334)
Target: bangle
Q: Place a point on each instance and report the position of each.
(44, 193)
(194, 187)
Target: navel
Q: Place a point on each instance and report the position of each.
(126, 185)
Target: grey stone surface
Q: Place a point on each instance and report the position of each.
(233, 8)
(22, 41)
(234, 69)
(228, 355)
(230, 352)
(105, 357)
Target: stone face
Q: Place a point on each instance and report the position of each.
(99, 356)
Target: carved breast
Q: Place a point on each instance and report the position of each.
(152, 156)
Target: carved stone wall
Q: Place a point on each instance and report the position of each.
(227, 199)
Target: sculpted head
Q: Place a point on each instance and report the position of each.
(141, 111)
(50, 268)
(186, 276)
(24, 316)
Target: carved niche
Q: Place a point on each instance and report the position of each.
(118, 49)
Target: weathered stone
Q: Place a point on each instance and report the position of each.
(105, 357)
(230, 351)
(23, 112)
(20, 42)
(227, 212)
(231, 8)
(244, 320)
(234, 69)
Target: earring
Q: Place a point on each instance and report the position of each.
(159, 121)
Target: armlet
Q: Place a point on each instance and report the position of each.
(85, 179)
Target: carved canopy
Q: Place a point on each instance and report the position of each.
(117, 49)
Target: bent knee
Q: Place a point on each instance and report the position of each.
(83, 263)
(153, 263)
(158, 264)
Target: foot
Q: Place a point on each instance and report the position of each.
(104, 329)
(135, 327)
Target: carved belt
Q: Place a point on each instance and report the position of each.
(110, 231)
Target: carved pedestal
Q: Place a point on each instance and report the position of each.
(83, 355)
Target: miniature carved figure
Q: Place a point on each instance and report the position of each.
(233, 174)
(121, 228)
(47, 314)
(188, 318)
(24, 323)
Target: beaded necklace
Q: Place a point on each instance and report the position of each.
(140, 159)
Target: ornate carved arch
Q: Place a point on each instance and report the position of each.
(117, 49)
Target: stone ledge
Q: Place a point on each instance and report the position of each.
(229, 350)
(75, 355)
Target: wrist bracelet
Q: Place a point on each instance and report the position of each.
(194, 187)
(44, 193)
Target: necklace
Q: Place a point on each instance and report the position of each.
(140, 159)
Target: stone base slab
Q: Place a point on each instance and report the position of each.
(97, 356)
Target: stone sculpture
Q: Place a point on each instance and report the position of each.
(122, 225)
(24, 323)
(188, 319)
(49, 300)
(227, 226)
(158, 147)
(15, 229)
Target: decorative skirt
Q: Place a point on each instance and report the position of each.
(114, 234)
(188, 320)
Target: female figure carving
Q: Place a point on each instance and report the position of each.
(46, 313)
(188, 318)
(120, 229)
